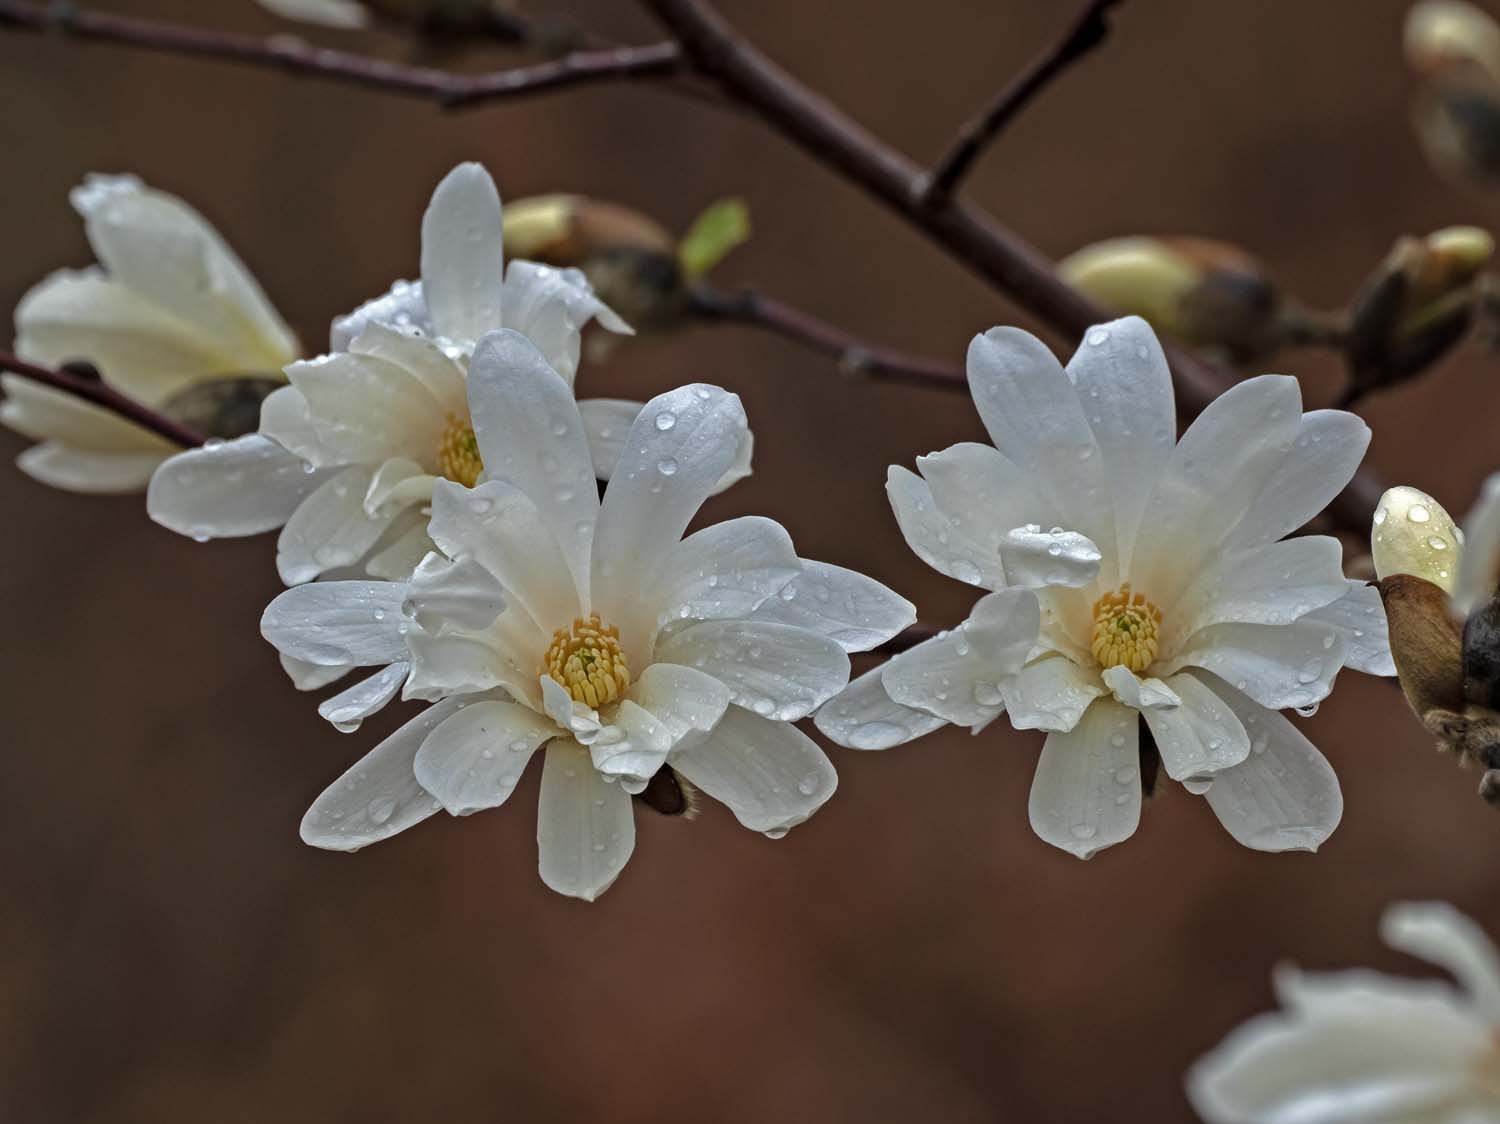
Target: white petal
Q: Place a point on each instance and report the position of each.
(1284, 796)
(1034, 557)
(160, 247)
(463, 260)
(1275, 583)
(934, 537)
(421, 357)
(1359, 617)
(1200, 738)
(359, 408)
(403, 307)
(45, 414)
(73, 470)
(1278, 666)
(978, 489)
(679, 447)
(240, 487)
(331, 623)
(1034, 416)
(349, 708)
(1327, 449)
(632, 748)
(1139, 694)
(462, 596)
(1126, 389)
(550, 308)
(311, 676)
(1479, 564)
(1086, 794)
(473, 759)
(607, 423)
(1213, 476)
(455, 664)
(1437, 932)
(864, 716)
(500, 528)
(771, 775)
(723, 571)
(585, 829)
(380, 795)
(398, 483)
(848, 607)
(531, 435)
(1050, 694)
(399, 550)
(775, 670)
(330, 528)
(343, 14)
(687, 701)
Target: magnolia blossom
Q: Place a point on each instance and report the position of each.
(593, 628)
(347, 455)
(1359, 1047)
(168, 309)
(1172, 595)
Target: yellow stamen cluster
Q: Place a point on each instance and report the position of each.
(458, 452)
(588, 661)
(1125, 630)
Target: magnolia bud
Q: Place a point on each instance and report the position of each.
(1415, 306)
(1454, 48)
(1412, 534)
(1201, 293)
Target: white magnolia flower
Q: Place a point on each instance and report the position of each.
(347, 455)
(1171, 597)
(1358, 1047)
(592, 628)
(169, 308)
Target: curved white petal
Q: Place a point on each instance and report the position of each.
(550, 307)
(455, 664)
(1479, 564)
(775, 670)
(1199, 738)
(1137, 693)
(332, 623)
(242, 487)
(1275, 583)
(1284, 796)
(361, 407)
(864, 716)
(1033, 557)
(530, 435)
(1086, 794)
(607, 422)
(420, 356)
(1125, 387)
(1051, 694)
(45, 414)
(343, 14)
(463, 258)
(1359, 617)
(473, 758)
(770, 774)
(979, 490)
(403, 307)
(330, 528)
(443, 595)
(398, 551)
(723, 571)
(349, 708)
(631, 747)
(857, 612)
(311, 676)
(1278, 666)
(585, 826)
(398, 484)
(935, 538)
(74, 470)
(686, 701)
(1437, 932)
(380, 795)
(1327, 448)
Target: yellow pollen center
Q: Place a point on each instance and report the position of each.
(588, 661)
(458, 452)
(1125, 630)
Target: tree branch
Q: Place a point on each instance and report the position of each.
(290, 54)
(852, 353)
(1088, 29)
(969, 234)
(106, 397)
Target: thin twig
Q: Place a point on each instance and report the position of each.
(288, 53)
(969, 234)
(106, 397)
(852, 353)
(1088, 29)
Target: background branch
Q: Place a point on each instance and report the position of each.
(106, 397)
(1088, 29)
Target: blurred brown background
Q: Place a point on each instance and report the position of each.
(169, 950)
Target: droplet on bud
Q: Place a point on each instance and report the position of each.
(1412, 534)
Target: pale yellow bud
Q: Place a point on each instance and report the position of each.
(1412, 534)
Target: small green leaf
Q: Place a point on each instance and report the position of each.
(718, 230)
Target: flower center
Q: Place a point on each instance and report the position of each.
(588, 661)
(458, 452)
(1125, 630)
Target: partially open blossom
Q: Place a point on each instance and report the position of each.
(347, 455)
(1165, 590)
(1454, 50)
(170, 316)
(593, 628)
(1360, 1047)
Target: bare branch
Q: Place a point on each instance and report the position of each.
(969, 234)
(106, 397)
(1088, 29)
(290, 54)
(852, 353)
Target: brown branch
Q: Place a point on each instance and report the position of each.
(852, 353)
(287, 53)
(1088, 29)
(106, 397)
(969, 234)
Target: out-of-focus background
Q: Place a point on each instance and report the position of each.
(170, 951)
